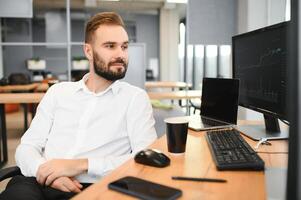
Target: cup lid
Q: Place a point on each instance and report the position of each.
(176, 120)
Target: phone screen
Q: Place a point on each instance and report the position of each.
(144, 189)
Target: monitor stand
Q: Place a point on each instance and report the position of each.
(270, 130)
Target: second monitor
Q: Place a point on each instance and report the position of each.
(260, 62)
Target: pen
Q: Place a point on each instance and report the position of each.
(198, 179)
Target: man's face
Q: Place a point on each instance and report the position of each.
(110, 52)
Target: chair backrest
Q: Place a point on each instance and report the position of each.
(3, 81)
(18, 79)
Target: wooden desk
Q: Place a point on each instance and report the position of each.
(23, 99)
(19, 88)
(12, 98)
(196, 162)
(167, 84)
(180, 95)
(37, 87)
(20, 97)
(40, 87)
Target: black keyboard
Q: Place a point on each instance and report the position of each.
(230, 151)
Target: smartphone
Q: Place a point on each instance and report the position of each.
(144, 189)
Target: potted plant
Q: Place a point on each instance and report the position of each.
(36, 64)
(80, 63)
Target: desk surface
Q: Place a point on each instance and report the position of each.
(40, 87)
(166, 84)
(19, 88)
(21, 97)
(196, 162)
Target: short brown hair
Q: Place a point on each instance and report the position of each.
(104, 18)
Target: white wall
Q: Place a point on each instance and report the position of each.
(255, 14)
(169, 38)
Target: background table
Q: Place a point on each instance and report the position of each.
(189, 94)
(155, 89)
(167, 84)
(18, 88)
(33, 87)
(12, 98)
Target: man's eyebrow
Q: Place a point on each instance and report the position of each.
(111, 42)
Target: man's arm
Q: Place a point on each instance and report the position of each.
(55, 168)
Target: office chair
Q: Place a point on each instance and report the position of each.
(195, 104)
(19, 79)
(9, 172)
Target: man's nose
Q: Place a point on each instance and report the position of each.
(120, 52)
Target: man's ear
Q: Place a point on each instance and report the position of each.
(88, 51)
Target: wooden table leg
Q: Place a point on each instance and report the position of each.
(25, 107)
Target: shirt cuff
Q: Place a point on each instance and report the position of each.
(96, 166)
(36, 166)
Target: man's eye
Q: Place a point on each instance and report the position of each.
(125, 47)
(110, 46)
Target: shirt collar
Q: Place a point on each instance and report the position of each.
(114, 87)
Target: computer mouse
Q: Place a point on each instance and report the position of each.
(152, 157)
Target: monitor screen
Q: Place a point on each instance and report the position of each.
(260, 62)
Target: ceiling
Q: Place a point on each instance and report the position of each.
(125, 6)
(101, 4)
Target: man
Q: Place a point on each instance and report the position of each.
(83, 130)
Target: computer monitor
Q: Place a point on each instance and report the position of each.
(260, 62)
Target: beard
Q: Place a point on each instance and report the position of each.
(104, 71)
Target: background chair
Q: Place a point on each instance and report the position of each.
(18, 79)
(195, 104)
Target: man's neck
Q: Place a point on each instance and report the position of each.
(96, 83)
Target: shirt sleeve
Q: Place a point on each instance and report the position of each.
(29, 153)
(141, 133)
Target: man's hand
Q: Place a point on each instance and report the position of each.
(53, 169)
(66, 184)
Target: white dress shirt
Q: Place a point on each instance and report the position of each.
(72, 122)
